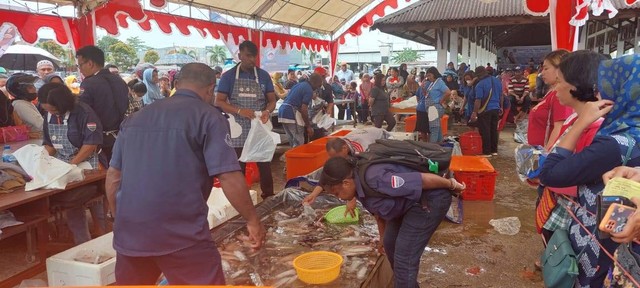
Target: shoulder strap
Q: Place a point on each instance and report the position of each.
(115, 104)
(486, 102)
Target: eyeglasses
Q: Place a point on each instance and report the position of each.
(80, 64)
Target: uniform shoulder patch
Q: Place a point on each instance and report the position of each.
(92, 126)
(396, 181)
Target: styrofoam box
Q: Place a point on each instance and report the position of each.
(404, 135)
(62, 270)
(220, 210)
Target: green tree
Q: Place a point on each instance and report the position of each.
(53, 48)
(122, 55)
(151, 56)
(193, 54)
(137, 44)
(217, 54)
(406, 55)
(106, 42)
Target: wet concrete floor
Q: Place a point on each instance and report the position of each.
(473, 254)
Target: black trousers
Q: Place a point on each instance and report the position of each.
(488, 128)
(342, 109)
(266, 179)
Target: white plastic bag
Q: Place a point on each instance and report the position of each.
(412, 102)
(47, 171)
(261, 143)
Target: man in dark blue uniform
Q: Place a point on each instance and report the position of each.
(409, 208)
(107, 94)
(159, 196)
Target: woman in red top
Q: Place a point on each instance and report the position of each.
(546, 118)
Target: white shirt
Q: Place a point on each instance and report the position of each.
(346, 75)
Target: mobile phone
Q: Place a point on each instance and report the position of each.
(616, 218)
(603, 203)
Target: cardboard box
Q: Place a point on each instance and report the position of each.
(63, 270)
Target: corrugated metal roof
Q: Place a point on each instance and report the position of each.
(445, 10)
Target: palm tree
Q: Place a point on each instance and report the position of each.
(217, 54)
(193, 54)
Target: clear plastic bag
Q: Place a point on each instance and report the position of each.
(528, 160)
(260, 144)
(507, 226)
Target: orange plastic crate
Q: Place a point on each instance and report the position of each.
(478, 174)
(410, 123)
(471, 143)
(305, 159)
(444, 124)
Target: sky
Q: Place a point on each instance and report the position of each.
(157, 39)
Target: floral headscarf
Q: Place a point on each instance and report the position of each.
(619, 81)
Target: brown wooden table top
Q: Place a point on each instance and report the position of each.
(20, 196)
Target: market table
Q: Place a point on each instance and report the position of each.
(33, 208)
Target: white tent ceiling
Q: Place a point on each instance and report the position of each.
(324, 16)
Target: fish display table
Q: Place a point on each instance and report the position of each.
(293, 230)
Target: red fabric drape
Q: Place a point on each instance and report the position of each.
(333, 48)
(28, 25)
(564, 36)
(85, 31)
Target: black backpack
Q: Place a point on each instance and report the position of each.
(420, 156)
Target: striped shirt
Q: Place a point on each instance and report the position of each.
(519, 86)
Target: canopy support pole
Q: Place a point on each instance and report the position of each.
(442, 39)
(453, 47)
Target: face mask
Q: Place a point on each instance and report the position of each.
(217, 82)
(75, 85)
(469, 82)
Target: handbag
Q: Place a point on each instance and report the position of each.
(548, 202)
(559, 261)
(14, 134)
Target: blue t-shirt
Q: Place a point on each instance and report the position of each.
(482, 90)
(161, 202)
(228, 79)
(300, 94)
(400, 182)
(435, 91)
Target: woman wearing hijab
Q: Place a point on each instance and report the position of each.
(73, 84)
(615, 144)
(53, 78)
(150, 79)
(277, 86)
(365, 93)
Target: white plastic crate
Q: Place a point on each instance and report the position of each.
(404, 135)
(220, 210)
(62, 270)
